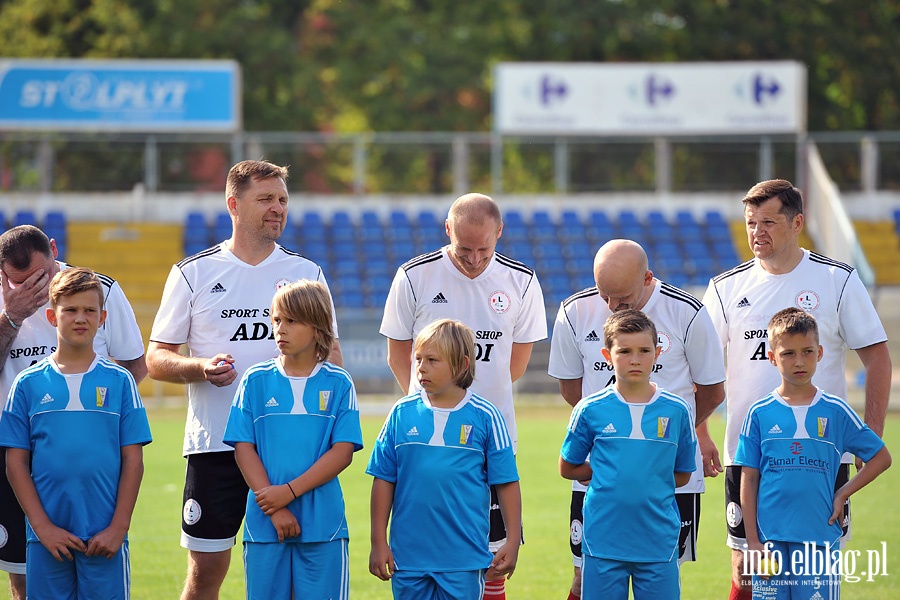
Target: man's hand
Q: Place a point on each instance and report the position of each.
(220, 370)
(712, 464)
(25, 299)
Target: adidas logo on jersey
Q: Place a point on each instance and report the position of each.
(744, 303)
(439, 299)
(414, 431)
(609, 429)
(47, 398)
(592, 336)
(217, 289)
(775, 429)
(271, 403)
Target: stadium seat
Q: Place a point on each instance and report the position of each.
(25, 217)
(426, 220)
(196, 232)
(222, 226)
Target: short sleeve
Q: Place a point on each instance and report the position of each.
(713, 303)
(15, 427)
(566, 360)
(383, 461)
(134, 427)
(577, 444)
(346, 426)
(748, 451)
(703, 350)
(172, 324)
(123, 336)
(239, 427)
(501, 462)
(399, 309)
(859, 322)
(685, 458)
(531, 325)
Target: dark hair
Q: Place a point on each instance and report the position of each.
(18, 245)
(241, 174)
(791, 321)
(629, 320)
(791, 199)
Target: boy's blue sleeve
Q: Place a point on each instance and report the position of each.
(858, 439)
(576, 447)
(383, 461)
(15, 426)
(748, 451)
(685, 461)
(346, 424)
(240, 419)
(501, 462)
(134, 428)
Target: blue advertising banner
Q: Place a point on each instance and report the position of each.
(120, 95)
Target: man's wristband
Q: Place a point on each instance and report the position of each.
(9, 319)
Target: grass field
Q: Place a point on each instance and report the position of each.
(544, 568)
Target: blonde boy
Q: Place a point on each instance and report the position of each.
(641, 444)
(74, 427)
(436, 456)
(789, 452)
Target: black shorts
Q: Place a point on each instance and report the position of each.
(497, 536)
(688, 506)
(12, 526)
(215, 499)
(734, 516)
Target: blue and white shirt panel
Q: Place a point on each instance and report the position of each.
(797, 450)
(442, 462)
(75, 426)
(293, 421)
(635, 450)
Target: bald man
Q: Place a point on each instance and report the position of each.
(690, 356)
(499, 298)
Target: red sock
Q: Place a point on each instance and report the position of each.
(738, 593)
(495, 590)
(572, 596)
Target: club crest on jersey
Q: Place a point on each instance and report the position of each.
(662, 427)
(102, 394)
(281, 283)
(807, 300)
(796, 448)
(323, 399)
(499, 302)
(465, 432)
(663, 341)
(823, 427)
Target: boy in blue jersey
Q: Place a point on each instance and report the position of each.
(74, 427)
(641, 444)
(790, 451)
(436, 456)
(294, 425)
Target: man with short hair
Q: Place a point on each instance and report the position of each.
(500, 299)
(742, 301)
(27, 264)
(217, 302)
(689, 358)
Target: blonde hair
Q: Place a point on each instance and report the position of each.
(791, 321)
(455, 342)
(308, 302)
(73, 281)
(629, 320)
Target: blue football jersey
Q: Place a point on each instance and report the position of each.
(442, 462)
(629, 509)
(293, 421)
(75, 425)
(797, 450)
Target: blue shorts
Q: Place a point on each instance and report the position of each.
(815, 577)
(82, 578)
(450, 585)
(608, 579)
(313, 570)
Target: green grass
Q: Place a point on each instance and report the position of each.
(544, 569)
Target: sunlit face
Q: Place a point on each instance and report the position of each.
(632, 356)
(624, 290)
(433, 372)
(472, 245)
(261, 211)
(771, 235)
(38, 262)
(77, 318)
(293, 338)
(796, 356)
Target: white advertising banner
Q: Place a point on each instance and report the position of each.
(650, 98)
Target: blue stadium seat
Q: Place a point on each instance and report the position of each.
(426, 220)
(697, 250)
(655, 219)
(2, 221)
(628, 218)
(399, 218)
(402, 250)
(714, 218)
(55, 219)
(351, 299)
(196, 232)
(222, 226)
(25, 217)
(684, 218)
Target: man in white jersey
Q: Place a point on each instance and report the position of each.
(742, 301)
(217, 302)
(690, 356)
(27, 264)
(499, 298)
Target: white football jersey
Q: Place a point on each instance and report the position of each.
(689, 348)
(216, 303)
(119, 337)
(743, 300)
(503, 305)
